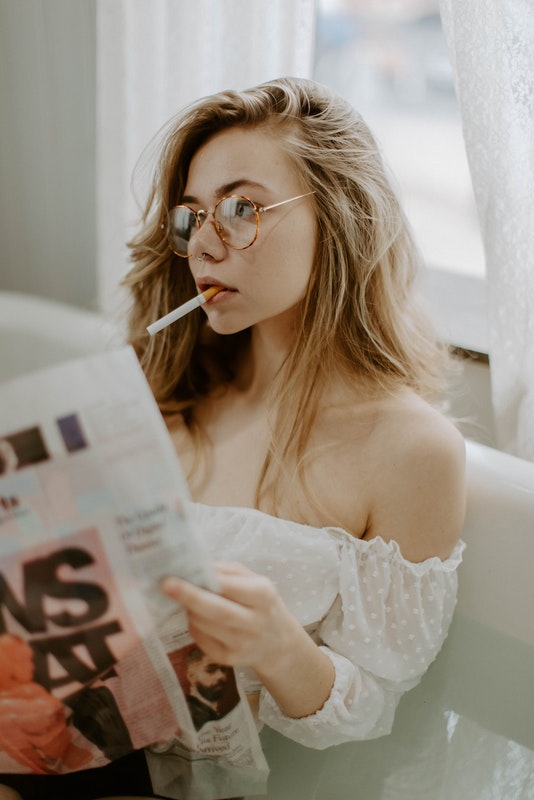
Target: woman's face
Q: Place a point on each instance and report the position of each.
(264, 284)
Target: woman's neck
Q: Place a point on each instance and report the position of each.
(261, 363)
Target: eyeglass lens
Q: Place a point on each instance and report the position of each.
(236, 222)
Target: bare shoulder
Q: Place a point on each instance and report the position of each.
(417, 497)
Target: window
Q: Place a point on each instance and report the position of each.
(389, 59)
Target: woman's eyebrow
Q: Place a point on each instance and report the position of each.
(228, 188)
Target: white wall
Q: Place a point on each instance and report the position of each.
(47, 148)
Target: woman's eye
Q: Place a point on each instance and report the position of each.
(243, 210)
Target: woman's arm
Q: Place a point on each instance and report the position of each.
(247, 624)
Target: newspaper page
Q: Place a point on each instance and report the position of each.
(94, 660)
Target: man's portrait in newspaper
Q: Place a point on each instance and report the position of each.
(209, 688)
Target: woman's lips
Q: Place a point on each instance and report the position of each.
(221, 294)
(222, 289)
(207, 281)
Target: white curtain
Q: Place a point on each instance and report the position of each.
(154, 57)
(492, 48)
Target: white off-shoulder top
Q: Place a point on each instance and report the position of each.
(380, 618)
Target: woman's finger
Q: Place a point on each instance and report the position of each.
(237, 584)
(232, 568)
(249, 589)
(202, 604)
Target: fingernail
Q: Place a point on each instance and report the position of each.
(170, 584)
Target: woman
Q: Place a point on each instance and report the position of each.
(301, 395)
(300, 400)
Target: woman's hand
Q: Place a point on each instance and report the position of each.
(247, 624)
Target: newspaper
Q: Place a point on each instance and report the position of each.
(94, 660)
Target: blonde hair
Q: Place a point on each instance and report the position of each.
(360, 315)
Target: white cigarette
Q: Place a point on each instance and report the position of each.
(182, 310)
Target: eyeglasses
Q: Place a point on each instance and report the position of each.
(236, 220)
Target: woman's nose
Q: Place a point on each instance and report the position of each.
(207, 240)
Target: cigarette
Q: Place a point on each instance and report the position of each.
(182, 310)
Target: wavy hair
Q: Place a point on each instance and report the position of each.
(361, 318)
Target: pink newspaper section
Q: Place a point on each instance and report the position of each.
(94, 659)
(60, 599)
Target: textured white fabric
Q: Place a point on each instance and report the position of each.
(155, 57)
(492, 49)
(381, 619)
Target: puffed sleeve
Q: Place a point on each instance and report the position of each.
(386, 625)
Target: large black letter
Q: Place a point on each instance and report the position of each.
(40, 580)
(33, 623)
(62, 649)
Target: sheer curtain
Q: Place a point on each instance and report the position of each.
(492, 48)
(155, 56)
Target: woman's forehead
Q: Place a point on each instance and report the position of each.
(240, 156)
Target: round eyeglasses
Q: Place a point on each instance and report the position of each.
(236, 220)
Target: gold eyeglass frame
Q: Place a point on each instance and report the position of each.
(202, 214)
